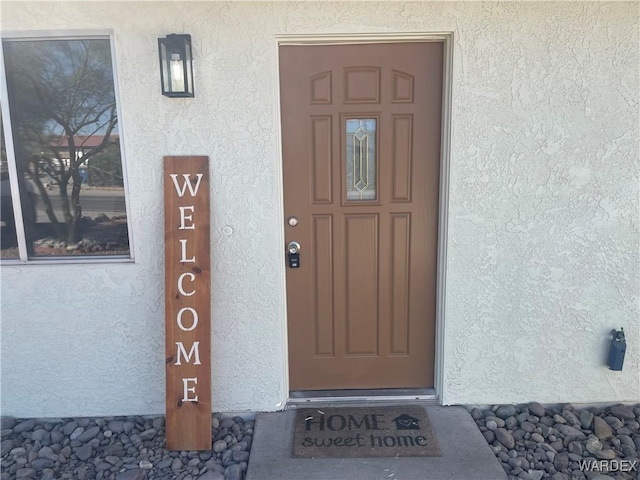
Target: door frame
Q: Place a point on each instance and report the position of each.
(445, 154)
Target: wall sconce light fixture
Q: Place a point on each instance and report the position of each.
(176, 65)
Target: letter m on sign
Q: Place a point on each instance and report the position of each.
(187, 303)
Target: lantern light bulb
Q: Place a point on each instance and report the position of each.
(177, 75)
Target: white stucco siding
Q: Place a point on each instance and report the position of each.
(543, 240)
(543, 204)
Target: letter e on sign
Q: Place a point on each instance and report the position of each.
(187, 303)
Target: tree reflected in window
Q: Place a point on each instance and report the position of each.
(67, 147)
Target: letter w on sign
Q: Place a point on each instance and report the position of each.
(187, 183)
(187, 303)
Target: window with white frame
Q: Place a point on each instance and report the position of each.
(62, 176)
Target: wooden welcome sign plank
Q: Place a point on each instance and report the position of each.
(187, 303)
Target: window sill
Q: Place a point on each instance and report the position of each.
(88, 260)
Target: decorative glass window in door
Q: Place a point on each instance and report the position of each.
(361, 159)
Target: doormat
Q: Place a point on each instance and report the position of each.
(364, 432)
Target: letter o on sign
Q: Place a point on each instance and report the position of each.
(195, 319)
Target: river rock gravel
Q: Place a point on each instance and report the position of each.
(118, 448)
(535, 442)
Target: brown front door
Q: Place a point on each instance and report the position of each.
(361, 150)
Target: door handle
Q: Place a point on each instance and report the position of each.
(293, 254)
(293, 247)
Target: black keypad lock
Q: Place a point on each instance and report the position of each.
(293, 254)
(294, 260)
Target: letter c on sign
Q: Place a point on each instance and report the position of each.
(195, 319)
(192, 277)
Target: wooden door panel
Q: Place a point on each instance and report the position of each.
(361, 307)
(322, 287)
(361, 85)
(320, 88)
(400, 262)
(402, 87)
(321, 154)
(360, 269)
(401, 159)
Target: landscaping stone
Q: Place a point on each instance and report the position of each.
(505, 438)
(622, 412)
(536, 409)
(24, 426)
(10, 422)
(555, 442)
(601, 429)
(119, 448)
(586, 418)
(505, 411)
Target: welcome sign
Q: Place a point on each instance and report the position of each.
(187, 303)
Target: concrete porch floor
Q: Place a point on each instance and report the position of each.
(465, 454)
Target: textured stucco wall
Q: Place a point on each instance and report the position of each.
(543, 244)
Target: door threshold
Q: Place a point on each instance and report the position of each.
(301, 398)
